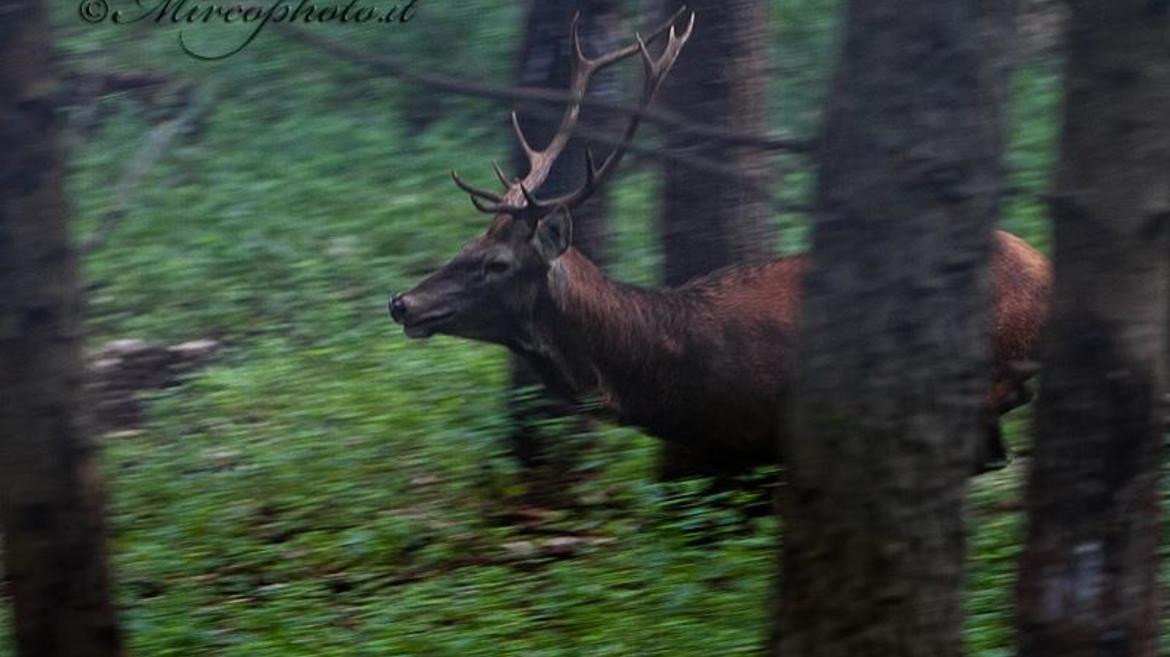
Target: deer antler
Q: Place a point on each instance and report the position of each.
(520, 198)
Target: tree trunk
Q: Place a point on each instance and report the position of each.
(719, 80)
(545, 58)
(894, 363)
(708, 223)
(49, 503)
(1088, 579)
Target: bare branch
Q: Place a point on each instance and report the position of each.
(464, 86)
(510, 94)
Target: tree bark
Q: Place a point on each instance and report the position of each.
(893, 367)
(545, 57)
(719, 80)
(1088, 579)
(707, 223)
(49, 503)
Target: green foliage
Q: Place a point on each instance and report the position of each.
(1033, 130)
(327, 488)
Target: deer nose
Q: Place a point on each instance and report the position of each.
(397, 308)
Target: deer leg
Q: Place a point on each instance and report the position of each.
(992, 454)
(1006, 396)
(1015, 396)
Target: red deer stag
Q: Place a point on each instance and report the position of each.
(704, 364)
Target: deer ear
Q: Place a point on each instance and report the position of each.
(553, 234)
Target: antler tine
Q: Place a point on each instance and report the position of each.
(528, 197)
(656, 71)
(590, 166)
(494, 204)
(496, 208)
(475, 191)
(529, 151)
(670, 53)
(508, 182)
(602, 61)
(484, 208)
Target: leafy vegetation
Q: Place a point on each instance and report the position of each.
(326, 487)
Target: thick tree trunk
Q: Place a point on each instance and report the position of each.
(49, 502)
(708, 223)
(545, 57)
(1088, 580)
(894, 362)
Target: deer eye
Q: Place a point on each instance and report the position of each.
(497, 267)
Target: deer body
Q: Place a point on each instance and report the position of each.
(701, 365)
(706, 364)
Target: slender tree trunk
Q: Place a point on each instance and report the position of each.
(708, 223)
(49, 503)
(1088, 580)
(719, 80)
(893, 366)
(545, 58)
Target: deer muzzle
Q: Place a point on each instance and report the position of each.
(417, 322)
(397, 308)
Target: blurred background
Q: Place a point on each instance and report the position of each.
(289, 475)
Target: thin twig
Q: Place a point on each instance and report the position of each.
(154, 146)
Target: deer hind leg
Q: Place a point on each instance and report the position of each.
(1006, 396)
(992, 454)
(1015, 395)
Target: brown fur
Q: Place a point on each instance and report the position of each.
(705, 364)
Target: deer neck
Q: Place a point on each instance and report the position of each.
(599, 340)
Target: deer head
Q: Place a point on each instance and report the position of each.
(489, 291)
